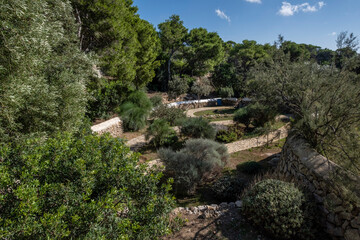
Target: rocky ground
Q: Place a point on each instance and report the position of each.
(223, 221)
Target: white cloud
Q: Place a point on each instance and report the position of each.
(287, 9)
(254, 1)
(222, 15)
(333, 34)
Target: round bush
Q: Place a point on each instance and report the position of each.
(172, 115)
(135, 111)
(197, 128)
(161, 134)
(90, 187)
(279, 208)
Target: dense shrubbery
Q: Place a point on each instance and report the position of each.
(250, 167)
(232, 134)
(161, 134)
(229, 188)
(43, 74)
(280, 208)
(199, 161)
(89, 187)
(173, 116)
(135, 111)
(256, 114)
(156, 100)
(197, 128)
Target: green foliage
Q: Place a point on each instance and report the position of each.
(202, 87)
(243, 116)
(197, 128)
(42, 72)
(203, 51)
(199, 161)
(172, 36)
(173, 116)
(226, 92)
(135, 111)
(256, 113)
(177, 86)
(250, 167)
(280, 208)
(161, 134)
(323, 100)
(89, 187)
(156, 101)
(232, 134)
(228, 188)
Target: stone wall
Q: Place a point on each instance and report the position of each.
(335, 190)
(203, 103)
(112, 126)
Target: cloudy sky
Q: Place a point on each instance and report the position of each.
(309, 21)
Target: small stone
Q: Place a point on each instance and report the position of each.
(335, 231)
(345, 215)
(339, 209)
(318, 198)
(352, 234)
(324, 210)
(239, 204)
(354, 223)
(333, 200)
(202, 208)
(331, 217)
(345, 224)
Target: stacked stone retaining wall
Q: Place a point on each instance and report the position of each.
(339, 205)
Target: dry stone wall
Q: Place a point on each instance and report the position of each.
(112, 126)
(329, 184)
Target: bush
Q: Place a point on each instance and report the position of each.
(280, 208)
(135, 111)
(228, 188)
(199, 161)
(234, 133)
(256, 114)
(226, 92)
(250, 167)
(197, 128)
(172, 115)
(156, 100)
(161, 133)
(243, 116)
(90, 187)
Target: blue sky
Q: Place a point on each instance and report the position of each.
(314, 22)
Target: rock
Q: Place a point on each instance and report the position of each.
(239, 204)
(202, 208)
(339, 209)
(345, 224)
(335, 231)
(354, 223)
(345, 215)
(232, 205)
(352, 234)
(333, 200)
(331, 217)
(318, 198)
(223, 205)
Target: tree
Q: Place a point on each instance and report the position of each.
(172, 36)
(324, 101)
(203, 51)
(42, 71)
(177, 86)
(160, 133)
(347, 46)
(202, 87)
(125, 45)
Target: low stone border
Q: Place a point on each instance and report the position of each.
(112, 126)
(207, 211)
